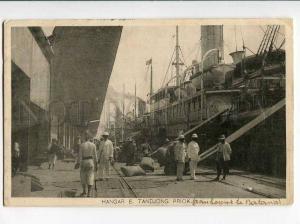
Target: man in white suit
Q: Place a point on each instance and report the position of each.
(106, 155)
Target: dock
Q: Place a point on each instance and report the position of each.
(64, 181)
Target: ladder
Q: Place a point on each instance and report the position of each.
(247, 127)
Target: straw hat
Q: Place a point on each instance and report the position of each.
(105, 133)
(181, 137)
(222, 137)
(194, 135)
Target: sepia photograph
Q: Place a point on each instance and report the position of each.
(148, 112)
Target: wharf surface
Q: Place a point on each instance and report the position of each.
(64, 181)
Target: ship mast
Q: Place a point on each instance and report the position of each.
(151, 79)
(177, 58)
(135, 114)
(123, 111)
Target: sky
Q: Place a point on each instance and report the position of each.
(140, 43)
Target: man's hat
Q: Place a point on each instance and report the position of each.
(222, 137)
(194, 135)
(105, 133)
(181, 137)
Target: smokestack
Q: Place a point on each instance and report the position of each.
(211, 38)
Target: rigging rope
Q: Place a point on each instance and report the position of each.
(171, 60)
(183, 60)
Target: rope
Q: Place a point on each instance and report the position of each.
(168, 68)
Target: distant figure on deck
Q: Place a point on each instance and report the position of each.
(106, 155)
(16, 158)
(223, 157)
(87, 161)
(53, 149)
(192, 153)
(180, 155)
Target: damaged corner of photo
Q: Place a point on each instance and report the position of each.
(147, 113)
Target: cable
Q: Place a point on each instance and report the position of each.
(168, 68)
(183, 60)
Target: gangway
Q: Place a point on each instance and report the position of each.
(247, 127)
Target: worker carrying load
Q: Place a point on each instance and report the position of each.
(223, 157)
(87, 161)
(106, 155)
(192, 153)
(180, 156)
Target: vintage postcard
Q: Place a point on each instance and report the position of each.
(182, 112)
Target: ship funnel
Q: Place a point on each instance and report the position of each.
(237, 56)
(212, 38)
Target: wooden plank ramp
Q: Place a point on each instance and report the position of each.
(247, 127)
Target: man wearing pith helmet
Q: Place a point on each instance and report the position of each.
(180, 154)
(223, 157)
(192, 153)
(106, 155)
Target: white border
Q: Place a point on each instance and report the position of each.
(71, 10)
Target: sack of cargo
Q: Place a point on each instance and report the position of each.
(147, 164)
(160, 154)
(130, 171)
(164, 154)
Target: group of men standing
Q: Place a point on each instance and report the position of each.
(190, 152)
(89, 159)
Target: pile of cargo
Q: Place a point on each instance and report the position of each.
(146, 165)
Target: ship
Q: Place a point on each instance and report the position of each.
(81, 69)
(211, 97)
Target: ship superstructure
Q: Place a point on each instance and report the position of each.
(236, 92)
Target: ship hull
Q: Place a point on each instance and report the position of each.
(83, 62)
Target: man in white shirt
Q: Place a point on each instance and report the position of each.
(223, 157)
(106, 155)
(87, 160)
(180, 154)
(192, 153)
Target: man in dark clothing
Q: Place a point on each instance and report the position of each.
(53, 150)
(76, 146)
(130, 148)
(146, 148)
(16, 158)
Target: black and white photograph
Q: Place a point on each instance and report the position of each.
(148, 112)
